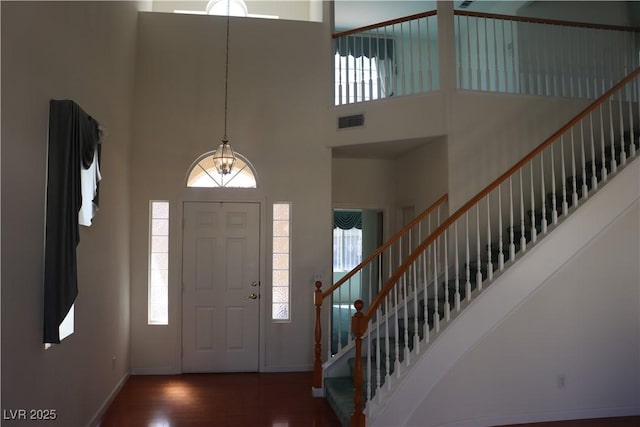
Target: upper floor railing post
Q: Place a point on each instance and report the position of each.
(446, 46)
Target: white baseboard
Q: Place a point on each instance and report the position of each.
(156, 371)
(287, 368)
(105, 405)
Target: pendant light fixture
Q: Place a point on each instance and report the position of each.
(223, 157)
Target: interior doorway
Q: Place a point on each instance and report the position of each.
(357, 233)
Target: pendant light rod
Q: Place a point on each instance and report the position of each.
(226, 77)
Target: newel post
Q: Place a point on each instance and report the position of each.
(317, 364)
(358, 327)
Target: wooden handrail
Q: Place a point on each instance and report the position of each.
(488, 16)
(384, 24)
(545, 21)
(388, 286)
(388, 243)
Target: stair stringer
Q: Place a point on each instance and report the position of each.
(506, 293)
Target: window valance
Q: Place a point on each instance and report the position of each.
(346, 220)
(370, 47)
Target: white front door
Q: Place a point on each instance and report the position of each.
(220, 301)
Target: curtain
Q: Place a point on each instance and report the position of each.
(73, 140)
(379, 50)
(371, 47)
(347, 220)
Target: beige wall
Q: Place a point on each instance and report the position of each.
(82, 51)
(277, 104)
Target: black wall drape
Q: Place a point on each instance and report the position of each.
(73, 136)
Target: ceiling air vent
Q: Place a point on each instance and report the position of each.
(350, 121)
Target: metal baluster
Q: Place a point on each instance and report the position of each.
(367, 373)
(602, 146)
(370, 71)
(553, 49)
(512, 246)
(554, 210)
(378, 371)
(545, 68)
(457, 268)
(429, 72)
(578, 67)
(478, 250)
(416, 336)
(459, 52)
(565, 205)
(562, 63)
(632, 138)
(411, 69)
(478, 69)
(425, 294)
(614, 165)
(363, 87)
(339, 59)
(504, 58)
(594, 178)
(405, 292)
(495, 56)
(469, 55)
(396, 355)
(403, 55)
(447, 305)
(436, 314)
(513, 60)
(534, 229)
(623, 151)
(500, 251)
(585, 188)
(490, 261)
(543, 196)
(573, 171)
(486, 51)
(467, 284)
(523, 239)
(420, 67)
(538, 78)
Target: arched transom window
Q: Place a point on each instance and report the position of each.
(203, 173)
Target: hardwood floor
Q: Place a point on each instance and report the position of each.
(599, 422)
(244, 400)
(219, 400)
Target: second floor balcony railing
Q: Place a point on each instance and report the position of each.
(494, 53)
(392, 58)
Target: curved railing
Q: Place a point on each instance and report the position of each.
(572, 163)
(392, 58)
(371, 271)
(545, 57)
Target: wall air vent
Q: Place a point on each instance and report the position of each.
(350, 121)
(465, 4)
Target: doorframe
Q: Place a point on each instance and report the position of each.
(204, 195)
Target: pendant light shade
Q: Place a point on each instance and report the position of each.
(223, 158)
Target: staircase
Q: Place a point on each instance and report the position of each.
(449, 268)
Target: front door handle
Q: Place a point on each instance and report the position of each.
(252, 296)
